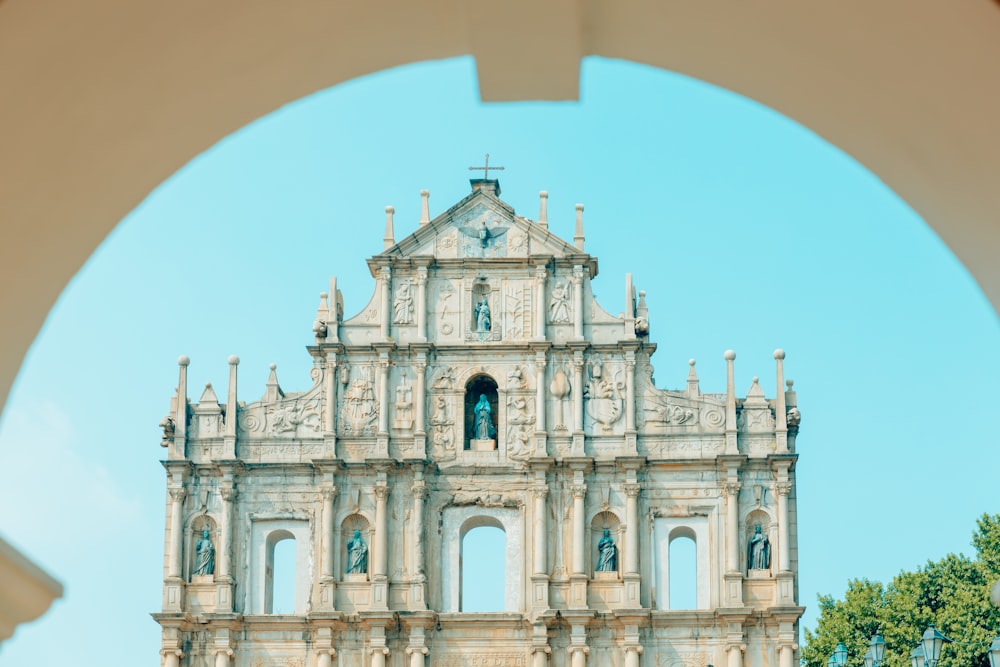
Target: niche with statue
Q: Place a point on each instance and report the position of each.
(481, 403)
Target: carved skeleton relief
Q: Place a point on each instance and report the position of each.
(520, 417)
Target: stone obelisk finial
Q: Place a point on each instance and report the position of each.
(390, 237)
(578, 236)
(425, 207)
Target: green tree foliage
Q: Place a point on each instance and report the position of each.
(952, 593)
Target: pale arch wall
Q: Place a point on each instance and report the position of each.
(263, 534)
(666, 529)
(107, 98)
(456, 522)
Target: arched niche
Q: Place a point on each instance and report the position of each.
(456, 522)
(479, 386)
(481, 321)
(196, 532)
(351, 523)
(605, 520)
(768, 527)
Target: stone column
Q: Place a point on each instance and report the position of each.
(578, 302)
(780, 418)
(731, 444)
(732, 491)
(784, 561)
(630, 391)
(326, 544)
(735, 655)
(579, 529)
(383, 391)
(578, 656)
(420, 395)
(419, 493)
(172, 657)
(541, 386)
(229, 439)
(380, 558)
(228, 494)
(632, 654)
(176, 532)
(422, 303)
(417, 654)
(384, 277)
(330, 389)
(578, 393)
(540, 275)
(785, 655)
(631, 529)
(379, 654)
(540, 389)
(223, 656)
(540, 656)
(325, 658)
(539, 492)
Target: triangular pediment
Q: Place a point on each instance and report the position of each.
(480, 226)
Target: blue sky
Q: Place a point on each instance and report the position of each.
(746, 230)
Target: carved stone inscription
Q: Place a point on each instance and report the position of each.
(479, 659)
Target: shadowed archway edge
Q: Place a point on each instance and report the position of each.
(105, 100)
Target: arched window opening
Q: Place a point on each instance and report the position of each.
(683, 570)
(280, 575)
(482, 563)
(481, 401)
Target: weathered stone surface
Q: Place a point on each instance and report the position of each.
(482, 385)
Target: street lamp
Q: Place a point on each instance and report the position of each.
(917, 657)
(932, 641)
(832, 662)
(994, 652)
(876, 651)
(877, 645)
(839, 656)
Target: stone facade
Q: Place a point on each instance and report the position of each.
(482, 385)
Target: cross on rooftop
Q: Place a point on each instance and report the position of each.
(486, 169)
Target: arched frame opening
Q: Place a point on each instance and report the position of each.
(672, 538)
(457, 522)
(170, 133)
(283, 535)
(937, 156)
(482, 575)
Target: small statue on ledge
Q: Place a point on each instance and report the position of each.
(607, 560)
(758, 551)
(484, 423)
(357, 555)
(205, 552)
